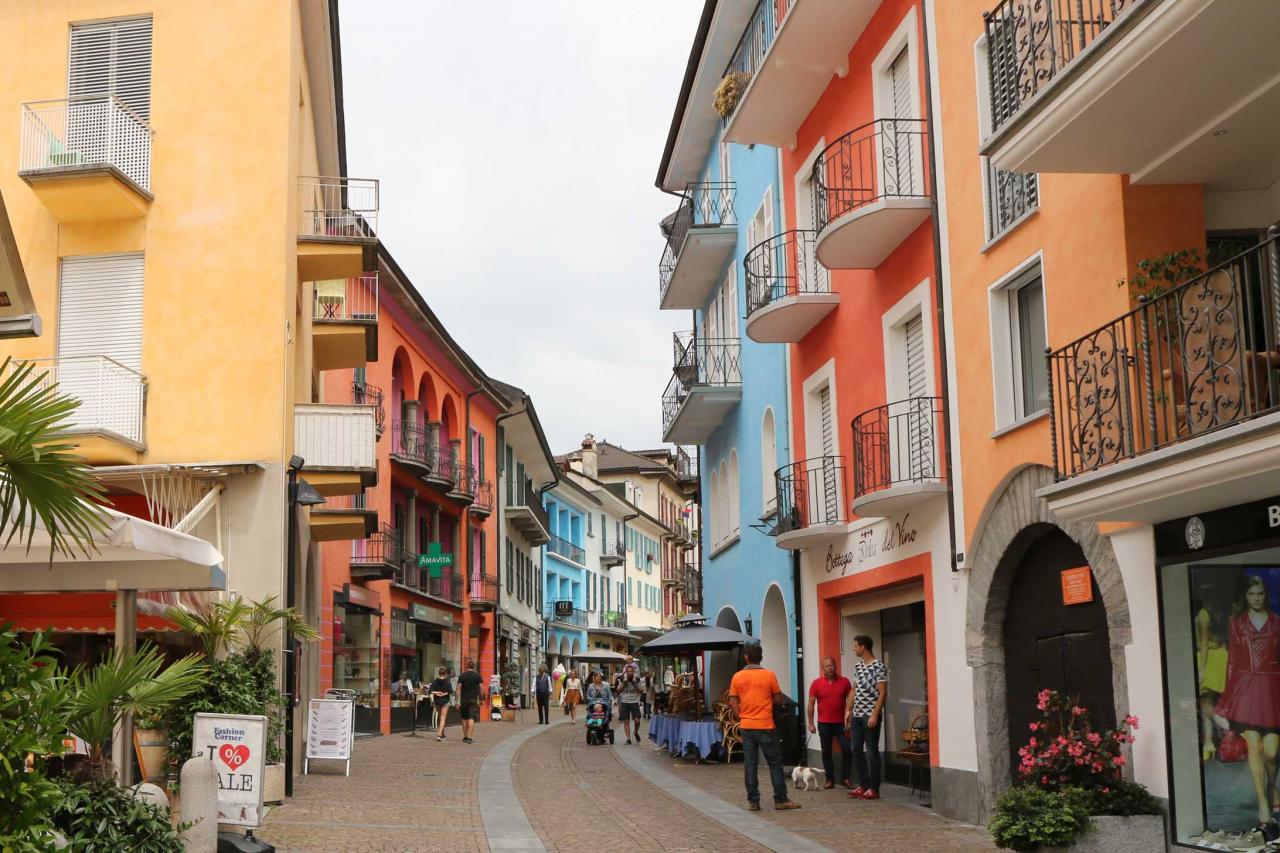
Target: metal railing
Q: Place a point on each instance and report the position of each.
(755, 42)
(614, 619)
(686, 466)
(385, 547)
(810, 492)
(564, 613)
(454, 466)
(85, 131)
(409, 443)
(483, 589)
(900, 442)
(703, 205)
(523, 495)
(364, 394)
(483, 502)
(885, 158)
(347, 300)
(700, 362)
(448, 585)
(1194, 359)
(784, 265)
(337, 208)
(565, 548)
(1029, 42)
(1010, 196)
(329, 436)
(112, 397)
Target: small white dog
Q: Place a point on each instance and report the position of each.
(807, 778)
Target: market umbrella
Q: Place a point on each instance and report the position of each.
(693, 635)
(601, 656)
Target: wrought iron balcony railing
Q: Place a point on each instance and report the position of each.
(1200, 357)
(409, 444)
(447, 585)
(713, 362)
(566, 614)
(614, 619)
(898, 443)
(883, 159)
(565, 548)
(333, 208)
(383, 548)
(756, 40)
(784, 265)
(112, 396)
(703, 205)
(364, 394)
(810, 493)
(347, 300)
(483, 503)
(483, 590)
(84, 132)
(1030, 42)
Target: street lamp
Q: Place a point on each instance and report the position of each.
(300, 493)
(748, 624)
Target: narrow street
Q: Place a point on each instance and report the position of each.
(409, 794)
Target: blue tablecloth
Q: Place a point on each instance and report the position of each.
(677, 735)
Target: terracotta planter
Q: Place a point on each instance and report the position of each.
(151, 746)
(273, 784)
(1137, 834)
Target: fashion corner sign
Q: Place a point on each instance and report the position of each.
(236, 744)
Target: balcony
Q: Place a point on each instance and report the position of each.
(788, 291)
(87, 158)
(811, 502)
(700, 237)
(898, 456)
(706, 383)
(1197, 84)
(380, 557)
(612, 554)
(1174, 407)
(344, 517)
(565, 614)
(344, 328)
(785, 61)
(482, 506)
(337, 227)
(526, 513)
(410, 449)
(692, 590)
(483, 592)
(567, 550)
(672, 574)
(337, 445)
(463, 492)
(870, 191)
(447, 585)
(107, 427)
(364, 394)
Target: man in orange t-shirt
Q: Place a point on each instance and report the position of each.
(752, 694)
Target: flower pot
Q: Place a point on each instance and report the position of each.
(151, 746)
(273, 783)
(1109, 834)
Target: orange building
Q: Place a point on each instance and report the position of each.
(419, 590)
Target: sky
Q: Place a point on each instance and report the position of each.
(517, 144)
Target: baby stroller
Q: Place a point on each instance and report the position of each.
(599, 722)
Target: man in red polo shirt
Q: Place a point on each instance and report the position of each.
(829, 692)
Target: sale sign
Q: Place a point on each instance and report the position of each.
(236, 744)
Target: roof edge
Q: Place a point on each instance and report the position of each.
(686, 87)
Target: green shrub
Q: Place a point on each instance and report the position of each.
(103, 817)
(241, 683)
(33, 720)
(1028, 817)
(1125, 799)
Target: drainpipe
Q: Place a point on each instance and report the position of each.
(940, 315)
(625, 519)
(541, 608)
(466, 517)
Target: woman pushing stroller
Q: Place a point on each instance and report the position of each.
(599, 710)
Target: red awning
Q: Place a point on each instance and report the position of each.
(77, 612)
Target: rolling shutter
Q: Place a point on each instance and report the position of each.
(112, 58)
(900, 82)
(901, 178)
(100, 308)
(826, 419)
(917, 379)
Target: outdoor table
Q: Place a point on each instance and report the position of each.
(677, 735)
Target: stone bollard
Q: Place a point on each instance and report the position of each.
(152, 794)
(199, 805)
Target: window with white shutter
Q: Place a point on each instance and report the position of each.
(917, 374)
(902, 175)
(112, 58)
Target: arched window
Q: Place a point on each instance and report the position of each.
(715, 507)
(735, 495)
(722, 508)
(768, 462)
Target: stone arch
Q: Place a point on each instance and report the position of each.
(402, 387)
(449, 428)
(775, 635)
(1011, 523)
(564, 647)
(429, 408)
(722, 665)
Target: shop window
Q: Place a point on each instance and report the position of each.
(357, 643)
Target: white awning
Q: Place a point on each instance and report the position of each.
(131, 554)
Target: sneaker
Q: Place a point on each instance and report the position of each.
(846, 784)
(786, 804)
(467, 740)
(856, 793)
(628, 741)
(439, 738)
(869, 794)
(1244, 841)
(753, 807)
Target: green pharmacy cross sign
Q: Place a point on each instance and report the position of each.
(434, 561)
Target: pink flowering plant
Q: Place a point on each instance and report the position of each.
(1064, 749)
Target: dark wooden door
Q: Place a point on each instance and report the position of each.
(1051, 645)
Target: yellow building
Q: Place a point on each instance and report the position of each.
(174, 176)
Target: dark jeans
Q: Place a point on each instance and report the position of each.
(544, 714)
(754, 742)
(828, 732)
(866, 752)
(648, 710)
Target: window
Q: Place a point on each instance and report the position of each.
(112, 58)
(734, 497)
(588, 524)
(1019, 374)
(768, 463)
(511, 569)
(726, 162)
(714, 518)
(1010, 196)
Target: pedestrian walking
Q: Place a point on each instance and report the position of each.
(753, 692)
(650, 693)
(599, 691)
(629, 694)
(542, 695)
(829, 692)
(865, 713)
(572, 695)
(440, 690)
(469, 684)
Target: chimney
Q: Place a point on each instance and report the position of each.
(590, 458)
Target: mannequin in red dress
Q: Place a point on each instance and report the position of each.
(1251, 700)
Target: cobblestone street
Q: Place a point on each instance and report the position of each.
(408, 794)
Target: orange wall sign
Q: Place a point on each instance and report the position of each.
(1077, 586)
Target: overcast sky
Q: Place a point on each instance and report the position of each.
(517, 144)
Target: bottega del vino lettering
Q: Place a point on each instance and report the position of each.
(1273, 515)
(898, 535)
(838, 560)
(867, 547)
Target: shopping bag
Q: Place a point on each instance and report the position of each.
(1232, 748)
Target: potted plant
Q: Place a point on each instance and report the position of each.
(1071, 790)
(729, 91)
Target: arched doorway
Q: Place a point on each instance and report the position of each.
(1051, 645)
(722, 665)
(774, 636)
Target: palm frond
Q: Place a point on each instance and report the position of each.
(41, 477)
(264, 619)
(216, 626)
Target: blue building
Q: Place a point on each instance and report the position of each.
(565, 574)
(728, 393)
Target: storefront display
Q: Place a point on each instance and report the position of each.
(357, 643)
(1220, 600)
